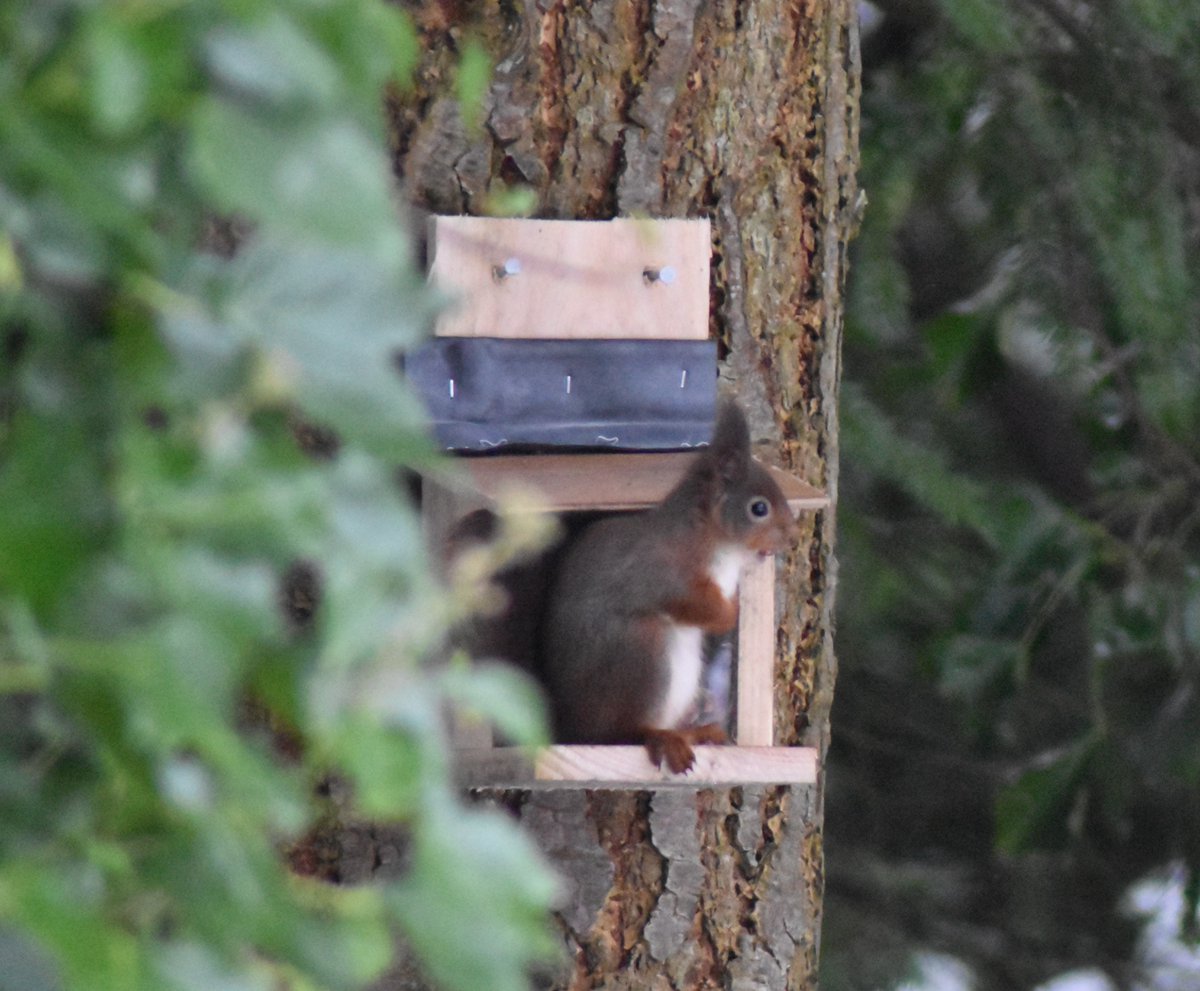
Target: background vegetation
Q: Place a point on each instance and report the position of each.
(1017, 730)
(200, 521)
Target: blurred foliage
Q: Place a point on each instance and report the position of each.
(159, 514)
(1017, 738)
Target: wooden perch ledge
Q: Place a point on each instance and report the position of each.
(629, 767)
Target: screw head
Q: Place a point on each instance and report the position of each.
(510, 267)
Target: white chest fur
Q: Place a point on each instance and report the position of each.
(685, 644)
(726, 567)
(685, 661)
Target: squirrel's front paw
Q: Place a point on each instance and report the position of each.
(706, 733)
(672, 747)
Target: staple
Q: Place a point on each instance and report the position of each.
(682, 377)
(452, 388)
(568, 385)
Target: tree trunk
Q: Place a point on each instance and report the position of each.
(744, 111)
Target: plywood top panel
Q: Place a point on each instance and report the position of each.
(625, 278)
(608, 482)
(629, 767)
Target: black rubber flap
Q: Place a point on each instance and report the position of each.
(485, 393)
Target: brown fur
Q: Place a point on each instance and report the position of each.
(628, 578)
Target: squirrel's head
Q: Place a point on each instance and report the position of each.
(747, 505)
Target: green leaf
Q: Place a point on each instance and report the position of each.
(25, 660)
(324, 178)
(11, 276)
(334, 320)
(119, 78)
(396, 36)
(477, 870)
(62, 903)
(471, 81)
(56, 512)
(344, 942)
(951, 338)
(274, 61)
(873, 440)
(511, 201)
(504, 696)
(985, 23)
(195, 967)
(24, 966)
(392, 768)
(375, 46)
(1034, 812)
(153, 494)
(973, 668)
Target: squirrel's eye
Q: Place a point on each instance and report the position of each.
(760, 509)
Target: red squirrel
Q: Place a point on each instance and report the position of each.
(635, 594)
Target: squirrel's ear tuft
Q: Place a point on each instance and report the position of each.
(731, 441)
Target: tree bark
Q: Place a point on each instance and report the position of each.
(744, 111)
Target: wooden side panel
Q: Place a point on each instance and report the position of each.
(571, 278)
(756, 655)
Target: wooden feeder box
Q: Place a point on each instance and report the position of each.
(601, 281)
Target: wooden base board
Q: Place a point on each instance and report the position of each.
(630, 768)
